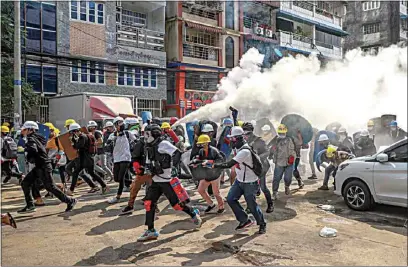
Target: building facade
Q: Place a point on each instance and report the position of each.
(375, 24)
(106, 47)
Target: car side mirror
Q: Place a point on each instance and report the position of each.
(382, 157)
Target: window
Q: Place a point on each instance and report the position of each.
(371, 5)
(171, 88)
(229, 52)
(373, 50)
(137, 77)
(154, 106)
(229, 14)
(50, 79)
(34, 77)
(327, 40)
(201, 81)
(88, 11)
(399, 154)
(42, 78)
(87, 72)
(371, 28)
(133, 18)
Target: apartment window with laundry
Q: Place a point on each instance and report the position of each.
(229, 52)
(87, 11)
(137, 77)
(371, 28)
(371, 5)
(89, 72)
(229, 14)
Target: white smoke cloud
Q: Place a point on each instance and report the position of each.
(350, 91)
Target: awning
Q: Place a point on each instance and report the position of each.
(260, 38)
(111, 106)
(100, 116)
(205, 27)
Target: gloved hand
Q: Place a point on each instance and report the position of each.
(208, 164)
(137, 167)
(174, 172)
(291, 160)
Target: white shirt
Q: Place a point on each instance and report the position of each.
(244, 156)
(121, 151)
(165, 147)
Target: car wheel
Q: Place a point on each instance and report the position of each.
(357, 195)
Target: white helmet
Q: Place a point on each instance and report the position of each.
(236, 131)
(266, 128)
(30, 125)
(364, 133)
(108, 124)
(92, 124)
(74, 127)
(115, 120)
(131, 121)
(323, 137)
(207, 128)
(342, 130)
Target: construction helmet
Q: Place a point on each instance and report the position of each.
(49, 125)
(92, 124)
(330, 151)
(165, 125)
(394, 123)
(240, 123)
(108, 124)
(74, 126)
(227, 121)
(6, 124)
(207, 128)
(5, 129)
(118, 119)
(370, 123)
(323, 137)
(236, 131)
(282, 129)
(364, 133)
(131, 121)
(69, 122)
(203, 139)
(266, 128)
(30, 125)
(342, 130)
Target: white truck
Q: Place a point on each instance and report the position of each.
(84, 107)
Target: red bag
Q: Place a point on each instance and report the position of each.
(291, 160)
(179, 190)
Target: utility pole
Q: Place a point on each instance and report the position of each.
(17, 67)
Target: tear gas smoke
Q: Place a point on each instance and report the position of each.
(350, 91)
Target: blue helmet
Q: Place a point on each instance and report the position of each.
(394, 123)
(227, 121)
(195, 122)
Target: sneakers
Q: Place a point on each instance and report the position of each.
(69, 193)
(262, 229)
(94, 190)
(126, 210)
(6, 180)
(312, 177)
(287, 190)
(197, 219)
(270, 208)
(105, 190)
(209, 208)
(113, 200)
(243, 226)
(148, 235)
(301, 184)
(275, 195)
(157, 210)
(27, 209)
(220, 211)
(324, 187)
(71, 205)
(39, 202)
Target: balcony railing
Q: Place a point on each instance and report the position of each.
(200, 51)
(309, 10)
(403, 9)
(212, 6)
(139, 37)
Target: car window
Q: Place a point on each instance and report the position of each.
(398, 154)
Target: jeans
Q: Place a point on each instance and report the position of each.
(279, 172)
(103, 168)
(44, 174)
(311, 162)
(120, 170)
(330, 169)
(249, 191)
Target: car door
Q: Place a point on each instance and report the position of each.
(390, 178)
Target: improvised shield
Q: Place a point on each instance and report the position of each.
(200, 172)
(296, 123)
(44, 131)
(332, 138)
(320, 158)
(261, 123)
(146, 115)
(190, 132)
(333, 127)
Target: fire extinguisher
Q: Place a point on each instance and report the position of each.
(173, 136)
(180, 191)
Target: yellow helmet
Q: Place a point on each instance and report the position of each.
(165, 125)
(6, 124)
(330, 151)
(5, 129)
(203, 139)
(49, 125)
(56, 131)
(370, 123)
(69, 122)
(282, 129)
(240, 123)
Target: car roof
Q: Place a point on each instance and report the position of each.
(397, 144)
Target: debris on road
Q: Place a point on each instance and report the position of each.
(329, 208)
(328, 232)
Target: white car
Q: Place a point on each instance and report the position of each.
(380, 178)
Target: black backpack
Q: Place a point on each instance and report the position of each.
(256, 162)
(9, 148)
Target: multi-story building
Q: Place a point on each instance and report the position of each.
(374, 24)
(106, 47)
(202, 42)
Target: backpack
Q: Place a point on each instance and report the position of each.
(91, 144)
(256, 162)
(131, 143)
(9, 148)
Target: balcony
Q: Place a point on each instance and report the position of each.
(200, 54)
(255, 27)
(133, 36)
(309, 11)
(200, 14)
(304, 43)
(212, 6)
(403, 8)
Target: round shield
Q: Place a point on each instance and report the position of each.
(261, 123)
(200, 172)
(332, 138)
(333, 127)
(296, 123)
(320, 158)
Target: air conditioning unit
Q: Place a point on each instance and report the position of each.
(268, 33)
(258, 29)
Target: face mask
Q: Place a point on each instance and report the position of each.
(393, 128)
(148, 137)
(281, 135)
(342, 138)
(121, 127)
(370, 128)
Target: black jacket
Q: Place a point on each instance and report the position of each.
(82, 145)
(36, 152)
(347, 146)
(365, 147)
(213, 154)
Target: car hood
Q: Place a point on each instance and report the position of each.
(365, 158)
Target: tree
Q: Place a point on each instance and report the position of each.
(28, 97)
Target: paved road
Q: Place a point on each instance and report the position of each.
(93, 234)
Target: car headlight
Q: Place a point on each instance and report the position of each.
(343, 165)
